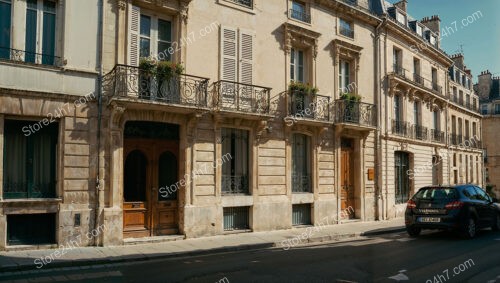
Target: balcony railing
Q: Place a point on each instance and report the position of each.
(300, 15)
(309, 106)
(29, 57)
(132, 82)
(437, 136)
(400, 128)
(234, 184)
(246, 3)
(420, 132)
(349, 32)
(241, 97)
(301, 183)
(456, 139)
(357, 113)
(417, 79)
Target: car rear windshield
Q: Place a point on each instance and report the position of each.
(437, 193)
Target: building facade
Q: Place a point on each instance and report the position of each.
(225, 116)
(488, 89)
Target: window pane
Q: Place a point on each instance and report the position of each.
(5, 23)
(235, 161)
(163, 48)
(164, 30)
(299, 7)
(301, 66)
(49, 33)
(145, 26)
(145, 47)
(31, 31)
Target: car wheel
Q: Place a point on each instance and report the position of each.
(413, 231)
(470, 228)
(496, 223)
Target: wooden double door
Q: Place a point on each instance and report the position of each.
(151, 187)
(347, 178)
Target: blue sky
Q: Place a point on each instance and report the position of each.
(480, 39)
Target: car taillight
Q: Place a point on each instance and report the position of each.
(411, 204)
(454, 205)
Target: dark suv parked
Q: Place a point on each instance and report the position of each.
(463, 208)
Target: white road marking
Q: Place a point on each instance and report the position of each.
(405, 239)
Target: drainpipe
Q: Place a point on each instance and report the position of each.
(378, 143)
(98, 190)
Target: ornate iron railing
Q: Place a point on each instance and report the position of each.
(420, 132)
(400, 128)
(29, 57)
(232, 184)
(241, 97)
(301, 183)
(128, 81)
(417, 79)
(309, 106)
(359, 113)
(400, 71)
(437, 136)
(301, 16)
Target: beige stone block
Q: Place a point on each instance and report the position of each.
(272, 180)
(204, 190)
(76, 173)
(276, 144)
(10, 105)
(272, 161)
(205, 146)
(272, 170)
(79, 124)
(77, 185)
(326, 157)
(76, 149)
(205, 156)
(272, 189)
(76, 161)
(205, 180)
(77, 137)
(326, 165)
(272, 152)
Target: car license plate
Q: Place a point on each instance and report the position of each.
(429, 219)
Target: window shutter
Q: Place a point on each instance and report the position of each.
(133, 49)
(228, 54)
(246, 57)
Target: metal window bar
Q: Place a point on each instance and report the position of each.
(236, 218)
(301, 16)
(29, 57)
(301, 214)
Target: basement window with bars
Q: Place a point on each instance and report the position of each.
(301, 214)
(236, 218)
(29, 160)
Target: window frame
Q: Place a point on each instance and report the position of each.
(305, 163)
(342, 24)
(234, 152)
(154, 35)
(296, 65)
(344, 77)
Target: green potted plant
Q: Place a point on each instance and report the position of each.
(301, 88)
(147, 65)
(350, 106)
(352, 97)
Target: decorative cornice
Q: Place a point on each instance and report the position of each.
(301, 36)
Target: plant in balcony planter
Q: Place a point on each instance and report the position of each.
(165, 72)
(147, 65)
(352, 97)
(167, 69)
(301, 88)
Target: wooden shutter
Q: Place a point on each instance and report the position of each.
(228, 54)
(246, 57)
(133, 38)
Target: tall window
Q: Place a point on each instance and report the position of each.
(301, 174)
(467, 130)
(297, 65)
(402, 165)
(5, 26)
(434, 76)
(344, 76)
(346, 28)
(435, 120)
(416, 113)
(416, 71)
(40, 14)
(29, 160)
(397, 61)
(299, 12)
(397, 109)
(145, 40)
(235, 161)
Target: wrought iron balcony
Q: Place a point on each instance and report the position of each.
(420, 132)
(300, 15)
(456, 139)
(357, 113)
(309, 106)
(131, 82)
(437, 88)
(301, 183)
(400, 128)
(418, 79)
(398, 70)
(241, 97)
(235, 184)
(29, 57)
(437, 136)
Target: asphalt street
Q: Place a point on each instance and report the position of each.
(433, 257)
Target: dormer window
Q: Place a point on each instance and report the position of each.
(401, 18)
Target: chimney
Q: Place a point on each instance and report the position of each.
(458, 59)
(433, 23)
(484, 85)
(402, 5)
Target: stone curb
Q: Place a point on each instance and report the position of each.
(85, 263)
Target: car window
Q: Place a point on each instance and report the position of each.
(436, 193)
(470, 193)
(482, 195)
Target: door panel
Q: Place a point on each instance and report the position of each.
(165, 207)
(346, 181)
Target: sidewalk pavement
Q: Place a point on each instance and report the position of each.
(80, 256)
